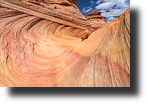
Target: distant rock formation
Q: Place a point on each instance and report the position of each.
(49, 43)
(96, 20)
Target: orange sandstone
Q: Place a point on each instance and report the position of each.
(43, 45)
(96, 20)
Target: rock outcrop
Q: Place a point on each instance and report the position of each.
(96, 20)
(46, 46)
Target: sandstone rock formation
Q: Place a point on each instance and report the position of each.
(41, 46)
(96, 20)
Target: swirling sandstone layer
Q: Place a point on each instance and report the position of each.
(39, 51)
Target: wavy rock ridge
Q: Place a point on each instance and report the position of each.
(46, 50)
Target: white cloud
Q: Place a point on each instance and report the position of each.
(127, 1)
(87, 9)
(98, 1)
(91, 2)
(110, 19)
(105, 5)
(113, 12)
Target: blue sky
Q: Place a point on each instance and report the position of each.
(111, 9)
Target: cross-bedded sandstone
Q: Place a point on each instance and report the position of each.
(41, 46)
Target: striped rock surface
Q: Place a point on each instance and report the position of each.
(96, 20)
(39, 51)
